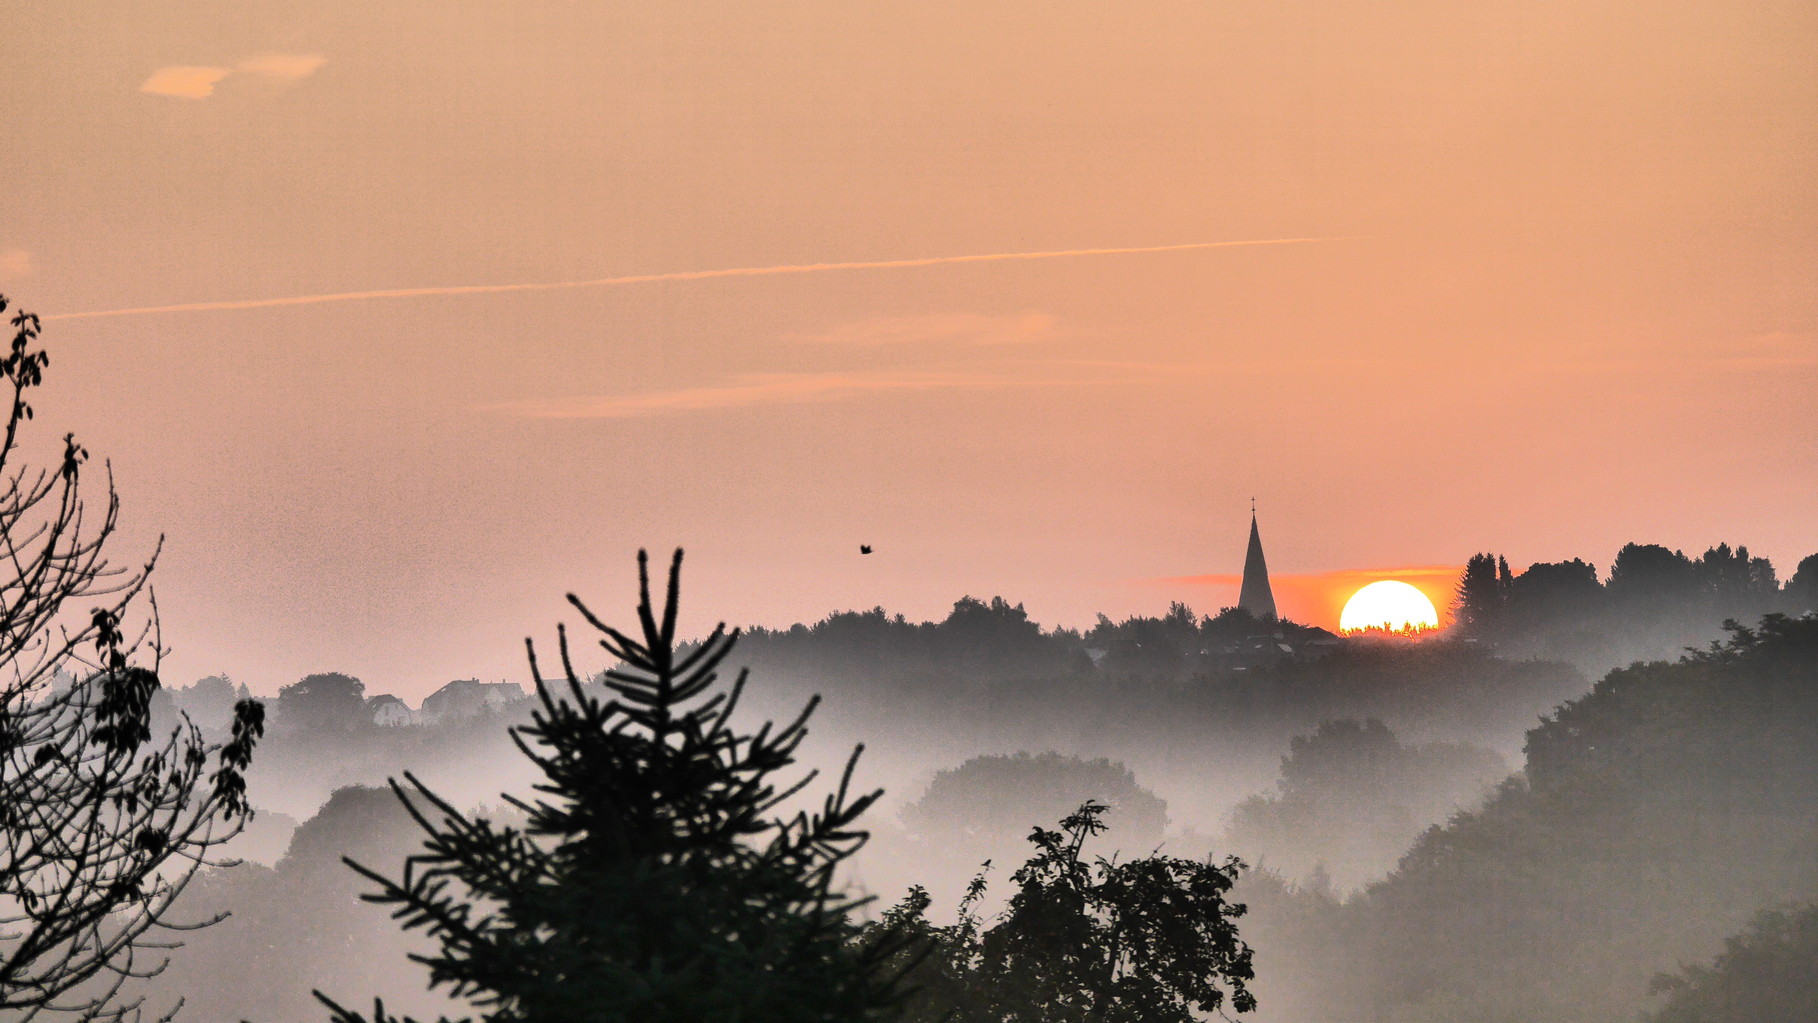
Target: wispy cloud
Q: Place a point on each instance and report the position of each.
(285, 66)
(185, 82)
(198, 82)
(951, 328)
(15, 263)
(757, 389)
(686, 275)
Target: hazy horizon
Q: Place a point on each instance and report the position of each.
(1530, 278)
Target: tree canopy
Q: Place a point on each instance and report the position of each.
(1148, 940)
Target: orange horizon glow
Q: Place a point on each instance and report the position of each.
(1318, 598)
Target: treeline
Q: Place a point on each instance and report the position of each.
(989, 675)
(1654, 602)
(997, 638)
(926, 695)
(1143, 691)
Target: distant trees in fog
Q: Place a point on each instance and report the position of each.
(983, 807)
(1352, 798)
(299, 923)
(992, 637)
(1654, 602)
(327, 701)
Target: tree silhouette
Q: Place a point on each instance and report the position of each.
(1483, 591)
(1649, 575)
(328, 700)
(1151, 940)
(652, 881)
(1554, 595)
(102, 823)
(1764, 973)
(1802, 588)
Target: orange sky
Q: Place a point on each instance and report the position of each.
(1564, 299)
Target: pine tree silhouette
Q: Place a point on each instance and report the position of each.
(652, 881)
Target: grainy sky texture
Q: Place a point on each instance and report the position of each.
(1566, 300)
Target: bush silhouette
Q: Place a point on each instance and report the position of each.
(1149, 940)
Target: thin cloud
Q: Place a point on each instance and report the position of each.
(15, 263)
(755, 389)
(284, 66)
(687, 275)
(185, 82)
(198, 82)
(953, 328)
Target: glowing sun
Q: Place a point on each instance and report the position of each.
(1389, 605)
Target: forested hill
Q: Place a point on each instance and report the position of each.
(1657, 815)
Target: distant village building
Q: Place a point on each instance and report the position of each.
(467, 697)
(388, 711)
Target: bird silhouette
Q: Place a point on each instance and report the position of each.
(864, 548)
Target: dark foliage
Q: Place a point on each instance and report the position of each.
(1149, 940)
(323, 702)
(653, 881)
(1802, 588)
(1767, 973)
(1655, 602)
(1659, 811)
(1483, 592)
(103, 822)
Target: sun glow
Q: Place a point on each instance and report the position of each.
(1388, 605)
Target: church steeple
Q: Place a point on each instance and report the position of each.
(1256, 597)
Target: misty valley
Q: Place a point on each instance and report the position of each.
(608, 512)
(1589, 798)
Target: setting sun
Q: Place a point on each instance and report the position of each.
(1389, 605)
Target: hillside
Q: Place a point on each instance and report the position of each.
(1655, 816)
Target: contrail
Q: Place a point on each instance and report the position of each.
(686, 275)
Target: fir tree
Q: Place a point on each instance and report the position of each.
(653, 880)
(1482, 593)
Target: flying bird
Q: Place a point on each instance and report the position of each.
(864, 548)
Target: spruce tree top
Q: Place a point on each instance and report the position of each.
(654, 877)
